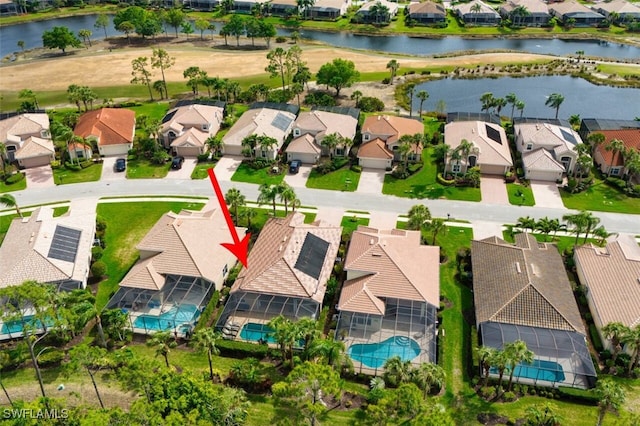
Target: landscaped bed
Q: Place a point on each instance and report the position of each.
(601, 197)
(520, 195)
(15, 186)
(201, 169)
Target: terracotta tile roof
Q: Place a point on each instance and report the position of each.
(304, 144)
(22, 126)
(111, 126)
(541, 159)
(426, 7)
(490, 152)
(186, 244)
(24, 254)
(630, 137)
(273, 259)
(390, 128)
(35, 147)
(523, 284)
(389, 264)
(612, 276)
(374, 149)
(259, 121)
(79, 146)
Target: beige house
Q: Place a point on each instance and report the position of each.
(484, 15)
(182, 262)
(611, 278)
(185, 129)
(27, 139)
(547, 150)
(381, 140)
(274, 123)
(538, 12)
(287, 275)
(623, 10)
(521, 292)
(79, 151)
(390, 298)
(328, 9)
(310, 128)
(113, 129)
(490, 149)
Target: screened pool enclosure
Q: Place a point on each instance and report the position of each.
(561, 358)
(407, 329)
(176, 306)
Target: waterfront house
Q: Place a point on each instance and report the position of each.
(527, 13)
(381, 140)
(328, 9)
(576, 14)
(611, 162)
(370, 12)
(27, 139)
(477, 12)
(186, 128)
(618, 11)
(112, 128)
(390, 299)
(427, 13)
(283, 7)
(247, 6)
(521, 292)
(591, 125)
(202, 5)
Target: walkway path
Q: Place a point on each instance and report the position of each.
(226, 167)
(547, 194)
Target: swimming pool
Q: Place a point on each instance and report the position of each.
(538, 370)
(374, 355)
(256, 332)
(174, 317)
(15, 326)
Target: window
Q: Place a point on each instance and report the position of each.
(296, 132)
(615, 171)
(395, 148)
(361, 320)
(456, 168)
(412, 156)
(172, 136)
(225, 270)
(80, 154)
(44, 133)
(205, 126)
(340, 152)
(263, 154)
(529, 146)
(366, 137)
(566, 162)
(472, 161)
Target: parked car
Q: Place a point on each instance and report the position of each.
(121, 165)
(294, 166)
(176, 163)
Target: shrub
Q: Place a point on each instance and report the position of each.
(487, 392)
(14, 178)
(442, 181)
(386, 80)
(281, 39)
(356, 168)
(96, 253)
(509, 396)
(578, 395)
(280, 96)
(339, 162)
(51, 358)
(86, 163)
(320, 99)
(370, 104)
(234, 349)
(414, 167)
(55, 164)
(616, 182)
(208, 311)
(203, 157)
(72, 166)
(98, 269)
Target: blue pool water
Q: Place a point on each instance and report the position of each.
(174, 317)
(539, 370)
(256, 332)
(374, 355)
(15, 327)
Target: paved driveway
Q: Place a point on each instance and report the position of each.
(331, 215)
(383, 220)
(298, 180)
(494, 190)
(547, 194)
(39, 177)
(185, 172)
(108, 171)
(371, 181)
(226, 167)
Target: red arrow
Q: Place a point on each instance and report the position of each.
(238, 248)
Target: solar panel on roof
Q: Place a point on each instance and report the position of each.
(168, 116)
(64, 245)
(281, 122)
(311, 257)
(568, 136)
(493, 134)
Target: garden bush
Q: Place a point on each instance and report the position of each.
(370, 104)
(281, 39)
(234, 349)
(14, 178)
(356, 168)
(203, 321)
(320, 99)
(616, 182)
(72, 166)
(509, 396)
(85, 164)
(414, 167)
(487, 392)
(280, 96)
(98, 269)
(203, 157)
(51, 358)
(578, 395)
(442, 181)
(96, 253)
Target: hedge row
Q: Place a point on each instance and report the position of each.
(15, 178)
(442, 181)
(235, 349)
(578, 395)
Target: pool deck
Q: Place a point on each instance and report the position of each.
(571, 378)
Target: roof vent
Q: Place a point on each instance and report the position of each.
(372, 242)
(518, 268)
(534, 269)
(280, 248)
(376, 254)
(284, 238)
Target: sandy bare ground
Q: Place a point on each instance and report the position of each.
(99, 67)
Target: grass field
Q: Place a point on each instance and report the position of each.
(201, 169)
(343, 179)
(64, 176)
(260, 176)
(144, 169)
(601, 197)
(351, 223)
(18, 186)
(520, 195)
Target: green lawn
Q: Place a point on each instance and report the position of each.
(260, 176)
(144, 169)
(64, 176)
(423, 184)
(602, 198)
(201, 169)
(153, 110)
(562, 242)
(127, 223)
(343, 179)
(520, 195)
(18, 186)
(59, 211)
(351, 223)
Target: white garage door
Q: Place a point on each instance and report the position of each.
(35, 161)
(188, 151)
(491, 169)
(120, 149)
(546, 175)
(306, 158)
(232, 150)
(375, 163)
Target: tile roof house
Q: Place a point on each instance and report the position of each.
(364, 15)
(490, 147)
(538, 12)
(181, 263)
(590, 125)
(485, 16)
(381, 139)
(113, 129)
(246, 6)
(611, 162)
(185, 129)
(311, 127)
(27, 139)
(623, 10)
(202, 5)
(581, 14)
(80, 151)
(391, 294)
(283, 7)
(287, 273)
(427, 12)
(521, 292)
(611, 278)
(328, 9)
(263, 122)
(557, 142)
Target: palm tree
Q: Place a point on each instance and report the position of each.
(330, 142)
(616, 146)
(427, 376)
(556, 226)
(499, 361)
(332, 351)
(615, 332)
(392, 66)
(163, 342)
(268, 194)
(287, 195)
(591, 222)
(10, 201)
(554, 101)
(520, 12)
(287, 334)
(309, 332)
(396, 371)
(610, 397)
(511, 99)
(411, 89)
(601, 234)
(356, 95)
(545, 226)
(380, 12)
(465, 148)
(485, 355)
(205, 340)
(517, 352)
(476, 9)
(249, 214)
(578, 222)
(436, 226)
(235, 200)
(632, 342)
(423, 95)
(526, 223)
(543, 416)
(405, 149)
(419, 215)
(215, 145)
(520, 107)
